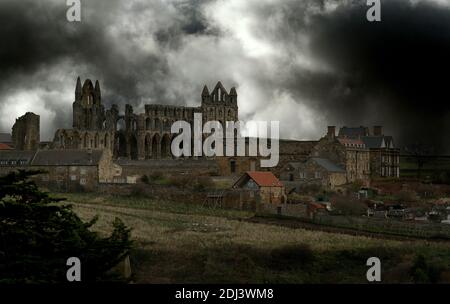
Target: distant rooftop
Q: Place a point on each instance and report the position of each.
(67, 158)
(5, 138)
(328, 165)
(353, 132)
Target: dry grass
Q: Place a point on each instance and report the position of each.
(192, 244)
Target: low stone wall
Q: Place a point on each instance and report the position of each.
(375, 225)
(294, 210)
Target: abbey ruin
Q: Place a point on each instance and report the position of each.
(136, 136)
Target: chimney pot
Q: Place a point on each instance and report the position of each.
(331, 132)
(377, 130)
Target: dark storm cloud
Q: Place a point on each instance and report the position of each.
(392, 72)
(322, 54)
(36, 36)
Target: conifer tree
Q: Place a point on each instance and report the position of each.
(39, 233)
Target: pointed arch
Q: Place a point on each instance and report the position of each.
(106, 143)
(133, 147)
(156, 146)
(120, 145)
(86, 141)
(96, 141)
(165, 146)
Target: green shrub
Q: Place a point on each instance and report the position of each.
(407, 196)
(422, 272)
(203, 183)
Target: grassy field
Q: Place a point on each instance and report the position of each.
(185, 243)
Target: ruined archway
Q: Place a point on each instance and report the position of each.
(120, 124)
(133, 147)
(96, 141)
(156, 147)
(106, 140)
(120, 145)
(165, 146)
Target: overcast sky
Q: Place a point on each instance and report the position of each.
(307, 63)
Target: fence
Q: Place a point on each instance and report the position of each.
(376, 225)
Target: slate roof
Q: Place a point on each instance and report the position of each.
(376, 142)
(373, 142)
(5, 138)
(14, 157)
(328, 165)
(353, 132)
(67, 158)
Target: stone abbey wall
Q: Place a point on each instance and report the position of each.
(132, 135)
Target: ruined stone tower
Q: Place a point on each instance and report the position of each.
(219, 105)
(88, 111)
(26, 132)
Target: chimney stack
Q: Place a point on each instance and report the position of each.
(378, 131)
(331, 132)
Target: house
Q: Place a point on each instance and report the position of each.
(74, 169)
(351, 154)
(64, 170)
(264, 185)
(318, 171)
(384, 157)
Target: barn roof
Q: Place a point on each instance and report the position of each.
(262, 179)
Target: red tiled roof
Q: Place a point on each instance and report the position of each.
(5, 147)
(265, 179)
(316, 206)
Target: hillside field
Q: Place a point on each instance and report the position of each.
(187, 243)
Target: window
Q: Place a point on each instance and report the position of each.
(82, 181)
(233, 166)
(317, 174)
(83, 171)
(302, 174)
(73, 177)
(291, 177)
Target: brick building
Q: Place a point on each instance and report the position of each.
(348, 153)
(384, 156)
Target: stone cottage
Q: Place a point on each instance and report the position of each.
(318, 171)
(265, 186)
